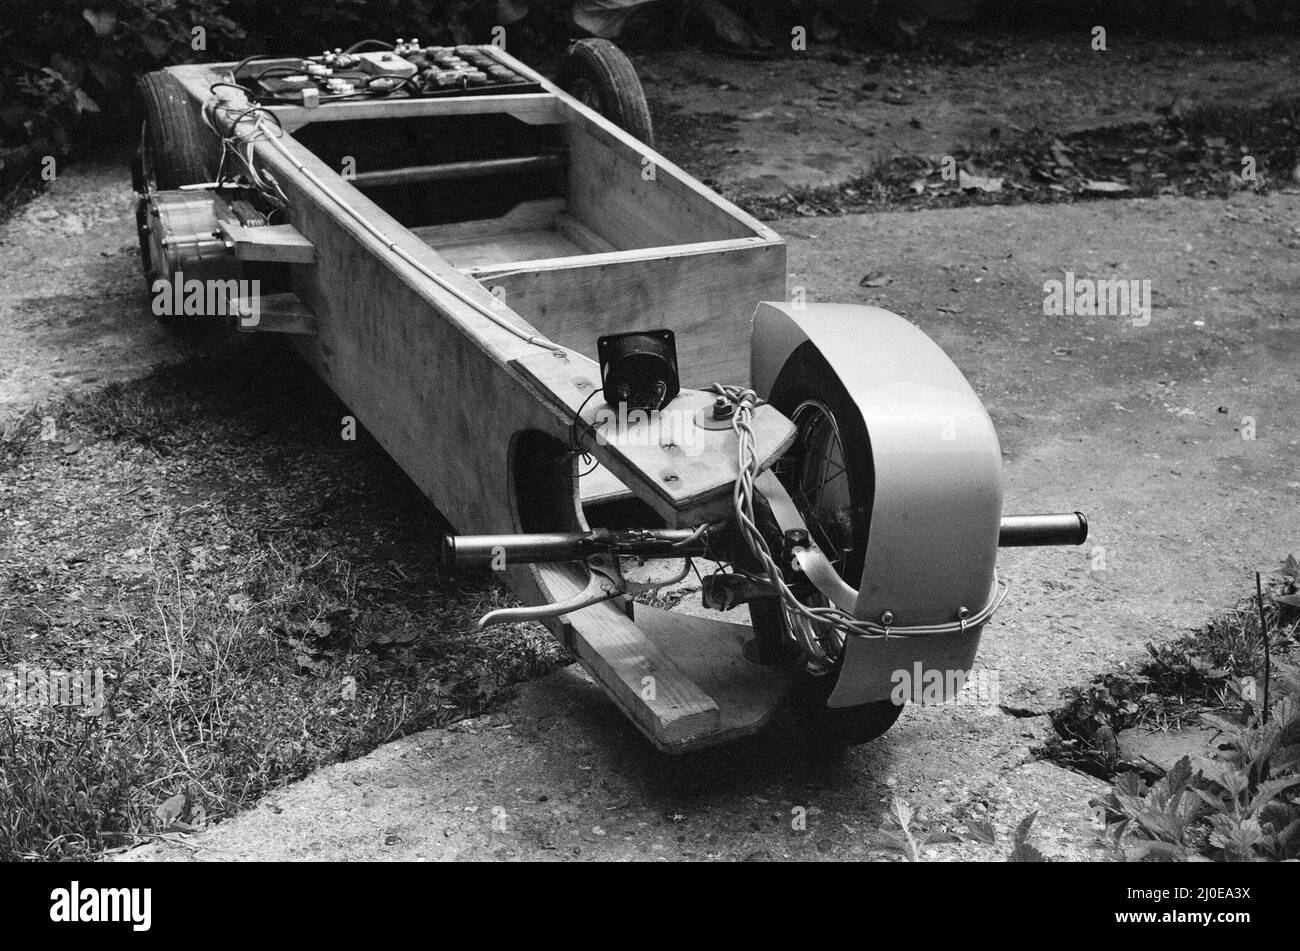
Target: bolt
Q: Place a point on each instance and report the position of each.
(723, 408)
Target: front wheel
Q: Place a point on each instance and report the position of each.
(829, 476)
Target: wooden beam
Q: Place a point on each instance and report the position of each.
(455, 170)
(281, 243)
(530, 108)
(277, 313)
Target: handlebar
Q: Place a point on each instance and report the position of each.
(570, 546)
(1017, 531)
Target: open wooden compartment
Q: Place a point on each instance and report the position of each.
(579, 228)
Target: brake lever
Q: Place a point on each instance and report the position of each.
(605, 581)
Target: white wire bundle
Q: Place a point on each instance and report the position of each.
(746, 401)
(245, 125)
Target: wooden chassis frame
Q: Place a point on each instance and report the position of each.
(466, 407)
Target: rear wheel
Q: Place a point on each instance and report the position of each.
(828, 474)
(601, 77)
(172, 145)
(172, 154)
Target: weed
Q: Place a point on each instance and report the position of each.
(1245, 809)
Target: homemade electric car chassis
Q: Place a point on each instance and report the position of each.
(450, 239)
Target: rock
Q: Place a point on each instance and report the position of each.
(1164, 748)
(1039, 730)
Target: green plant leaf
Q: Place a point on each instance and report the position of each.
(103, 22)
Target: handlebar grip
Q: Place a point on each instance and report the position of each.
(1018, 531)
(515, 549)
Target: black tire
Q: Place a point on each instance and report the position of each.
(172, 153)
(833, 728)
(808, 379)
(173, 136)
(599, 75)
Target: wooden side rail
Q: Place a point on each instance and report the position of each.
(454, 170)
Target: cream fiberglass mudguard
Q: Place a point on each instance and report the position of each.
(938, 483)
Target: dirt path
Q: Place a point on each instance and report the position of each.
(72, 301)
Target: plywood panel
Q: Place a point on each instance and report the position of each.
(705, 294)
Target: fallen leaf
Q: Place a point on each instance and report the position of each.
(101, 22)
(400, 636)
(875, 279)
(1059, 156)
(84, 103)
(1103, 188)
(171, 810)
(968, 182)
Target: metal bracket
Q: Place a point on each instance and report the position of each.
(722, 592)
(606, 581)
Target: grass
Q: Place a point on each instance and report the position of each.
(262, 596)
(1198, 674)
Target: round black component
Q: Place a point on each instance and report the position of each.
(639, 369)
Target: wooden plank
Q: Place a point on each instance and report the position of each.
(447, 171)
(704, 293)
(280, 243)
(582, 236)
(682, 470)
(491, 250)
(709, 652)
(278, 313)
(525, 216)
(645, 682)
(531, 108)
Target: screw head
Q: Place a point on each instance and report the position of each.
(887, 618)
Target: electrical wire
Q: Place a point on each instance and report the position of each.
(746, 401)
(355, 47)
(576, 446)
